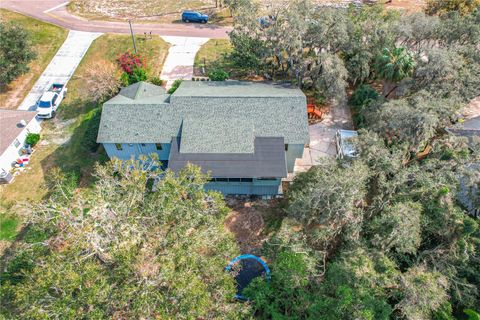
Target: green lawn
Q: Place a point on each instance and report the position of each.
(65, 140)
(212, 54)
(8, 227)
(46, 39)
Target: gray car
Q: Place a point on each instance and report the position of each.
(345, 146)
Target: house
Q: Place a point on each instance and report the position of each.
(246, 135)
(14, 127)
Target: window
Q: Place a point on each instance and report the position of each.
(118, 146)
(286, 146)
(54, 100)
(234, 179)
(267, 179)
(247, 180)
(143, 144)
(221, 179)
(16, 143)
(158, 146)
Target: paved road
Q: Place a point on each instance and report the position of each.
(55, 12)
(62, 66)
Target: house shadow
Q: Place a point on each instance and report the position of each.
(77, 152)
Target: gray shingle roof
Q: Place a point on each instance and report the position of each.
(10, 126)
(236, 89)
(216, 137)
(225, 110)
(267, 161)
(141, 90)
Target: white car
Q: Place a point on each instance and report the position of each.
(345, 146)
(48, 103)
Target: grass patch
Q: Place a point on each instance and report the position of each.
(8, 227)
(46, 40)
(213, 55)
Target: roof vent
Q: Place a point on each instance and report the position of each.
(23, 123)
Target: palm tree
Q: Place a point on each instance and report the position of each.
(392, 66)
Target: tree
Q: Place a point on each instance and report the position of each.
(330, 76)
(15, 52)
(392, 66)
(412, 120)
(442, 7)
(287, 294)
(356, 286)
(398, 228)
(247, 52)
(422, 292)
(102, 80)
(327, 198)
(124, 251)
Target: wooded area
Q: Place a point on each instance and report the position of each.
(382, 236)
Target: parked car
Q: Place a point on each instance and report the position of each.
(48, 103)
(193, 16)
(345, 146)
(266, 21)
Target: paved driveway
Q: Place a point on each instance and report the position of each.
(180, 58)
(62, 66)
(322, 137)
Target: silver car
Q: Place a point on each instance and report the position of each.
(345, 146)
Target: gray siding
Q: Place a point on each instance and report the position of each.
(257, 187)
(134, 150)
(294, 151)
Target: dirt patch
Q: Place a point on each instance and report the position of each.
(409, 5)
(250, 221)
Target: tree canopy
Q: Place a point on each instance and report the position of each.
(381, 236)
(15, 52)
(123, 251)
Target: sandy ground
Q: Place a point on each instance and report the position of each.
(247, 222)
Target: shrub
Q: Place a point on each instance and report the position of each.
(138, 74)
(363, 95)
(175, 86)
(218, 75)
(32, 139)
(131, 61)
(360, 99)
(156, 81)
(125, 79)
(102, 80)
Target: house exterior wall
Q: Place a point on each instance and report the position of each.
(294, 151)
(130, 150)
(257, 187)
(12, 153)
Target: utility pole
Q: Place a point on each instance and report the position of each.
(133, 37)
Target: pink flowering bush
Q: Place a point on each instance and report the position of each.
(131, 61)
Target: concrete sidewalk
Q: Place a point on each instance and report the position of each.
(180, 58)
(62, 66)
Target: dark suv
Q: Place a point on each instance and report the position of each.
(193, 16)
